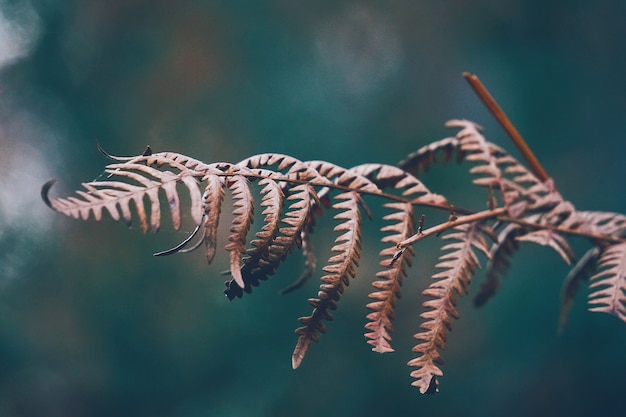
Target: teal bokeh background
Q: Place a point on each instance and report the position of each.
(92, 325)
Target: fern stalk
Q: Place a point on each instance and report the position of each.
(506, 124)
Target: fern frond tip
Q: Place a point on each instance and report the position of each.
(45, 189)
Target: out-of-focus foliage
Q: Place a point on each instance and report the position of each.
(91, 324)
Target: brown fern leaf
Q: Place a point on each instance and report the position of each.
(496, 168)
(579, 274)
(598, 222)
(609, 284)
(272, 202)
(212, 200)
(549, 237)
(266, 262)
(553, 209)
(243, 216)
(389, 280)
(340, 269)
(487, 158)
(499, 262)
(402, 225)
(477, 149)
(274, 246)
(388, 176)
(518, 188)
(523, 194)
(306, 245)
(295, 216)
(458, 264)
(171, 159)
(426, 156)
(115, 196)
(350, 178)
(342, 266)
(291, 167)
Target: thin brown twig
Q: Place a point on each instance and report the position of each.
(499, 213)
(481, 215)
(506, 124)
(595, 237)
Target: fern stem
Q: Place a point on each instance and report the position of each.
(347, 188)
(595, 237)
(506, 124)
(435, 230)
(500, 213)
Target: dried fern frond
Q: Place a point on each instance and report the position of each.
(579, 274)
(548, 237)
(242, 220)
(459, 264)
(598, 222)
(134, 183)
(212, 201)
(426, 156)
(273, 245)
(497, 170)
(609, 284)
(339, 270)
(293, 195)
(402, 226)
(499, 262)
(342, 266)
(389, 280)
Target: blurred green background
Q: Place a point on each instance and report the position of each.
(92, 325)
